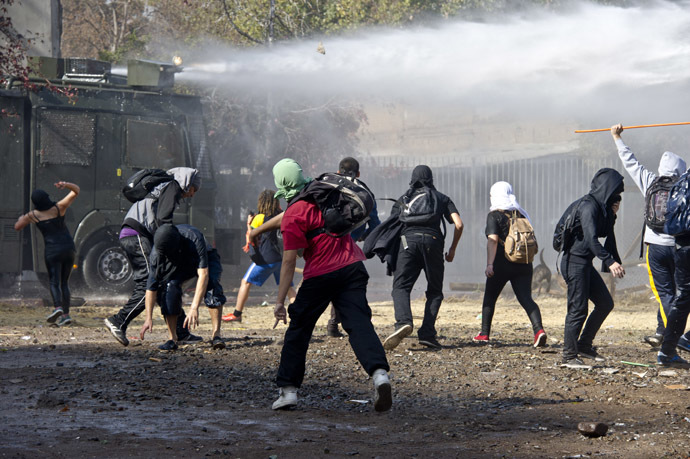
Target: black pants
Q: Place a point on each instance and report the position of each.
(347, 289)
(584, 284)
(661, 264)
(59, 262)
(421, 252)
(520, 277)
(678, 316)
(138, 249)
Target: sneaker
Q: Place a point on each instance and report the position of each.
(287, 399)
(169, 345)
(481, 338)
(684, 344)
(217, 343)
(334, 332)
(674, 360)
(65, 319)
(654, 340)
(575, 363)
(540, 339)
(189, 339)
(231, 318)
(118, 334)
(396, 338)
(53, 316)
(591, 353)
(382, 385)
(430, 342)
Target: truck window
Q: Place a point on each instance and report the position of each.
(151, 144)
(66, 137)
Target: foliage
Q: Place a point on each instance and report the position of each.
(13, 46)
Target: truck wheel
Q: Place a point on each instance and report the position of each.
(106, 268)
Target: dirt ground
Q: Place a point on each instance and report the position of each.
(76, 392)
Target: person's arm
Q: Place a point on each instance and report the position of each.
(65, 202)
(589, 231)
(168, 201)
(287, 272)
(24, 221)
(491, 250)
(457, 232)
(192, 319)
(272, 224)
(642, 176)
(149, 301)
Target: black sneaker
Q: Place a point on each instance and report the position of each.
(217, 343)
(684, 344)
(118, 334)
(53, 316)
(430, 342)
(168, 346)
(591, 353)
(674, 361)
(334, 332)
(654, 340)
(575, 363)
(189, 339)
(64, 321)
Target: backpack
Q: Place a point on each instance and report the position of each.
(272, 239)
(143, 182)
(655, 200)
(567, 227)
(345, 203)
(677, 210)
(520, 245)
(419, 207)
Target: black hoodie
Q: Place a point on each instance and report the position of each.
(597, 220)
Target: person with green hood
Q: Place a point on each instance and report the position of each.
(333, 272)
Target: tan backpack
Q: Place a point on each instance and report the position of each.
(521, 244)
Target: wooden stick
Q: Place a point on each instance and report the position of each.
(633, 127)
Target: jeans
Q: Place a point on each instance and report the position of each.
(59, 264)
(678, 316)
(661, 266)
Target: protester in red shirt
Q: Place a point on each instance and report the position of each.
(333, 272)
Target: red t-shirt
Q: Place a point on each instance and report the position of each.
(323, 254)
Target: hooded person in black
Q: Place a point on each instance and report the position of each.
(596, 216)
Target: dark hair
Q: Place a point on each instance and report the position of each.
(41, 200)
(348, 166)
(268, 204)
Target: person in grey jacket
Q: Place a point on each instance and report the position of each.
(661, 248)
(136, 239)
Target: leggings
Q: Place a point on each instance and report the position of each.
(59, 264)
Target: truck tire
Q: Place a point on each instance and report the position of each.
(106, 269)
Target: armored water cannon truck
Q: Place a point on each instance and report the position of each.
(94, 128)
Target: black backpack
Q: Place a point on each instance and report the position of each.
(567, 227)
(655, 200)
(677, 209)
(419, 207)
(143, 182)
(345, 203)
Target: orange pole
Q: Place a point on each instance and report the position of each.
(634, 127)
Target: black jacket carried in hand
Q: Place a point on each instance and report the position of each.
(384, 241)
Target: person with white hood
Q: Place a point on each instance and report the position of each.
(500, 270)
(661, 248)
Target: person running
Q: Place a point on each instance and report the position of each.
(661, 248)
(136, 238)
(59, 251)
(421, 248)
(596, 215)
(500, 270)
(333, 272)
(267, 256)
(179, 254)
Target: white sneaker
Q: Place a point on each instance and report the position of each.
(382, 386)
(396, 338)
(287, 399)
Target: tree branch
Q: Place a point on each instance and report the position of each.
(237, 29)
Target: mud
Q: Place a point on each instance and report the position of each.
(76, 392)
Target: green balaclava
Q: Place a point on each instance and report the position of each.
(288, 177)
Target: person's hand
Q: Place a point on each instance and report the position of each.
(489, 271)
(60, 185)
(617, 270)
(148, 326)
(450, 255)
(617, 130)
(252, 237)
(615, 206)
(192, 319)
(280, 313)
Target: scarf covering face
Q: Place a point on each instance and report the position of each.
(502, 198)
(41, 200)
(166, 242)
(289, 179)
(422, 176)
